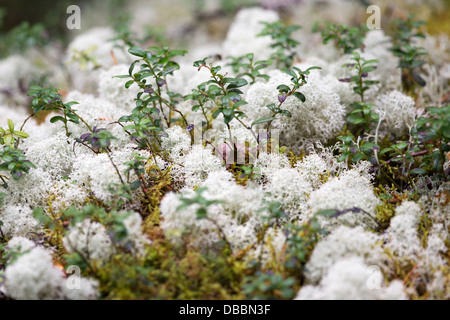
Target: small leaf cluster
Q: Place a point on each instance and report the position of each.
(200, 201)
(245, 66)
(410, 56)
(425, 153)
(200, 96)
(362, 67)
(283, 43)
(345, 38)
(362, 112)
(268, 285)
(352, 151)
(274, 208)
(9, 135)
(432, 133)
(14, 161)
(50, 100)
(98, 140)
(155, 64)
(298, 79)
(223, 91)
(137, 166)
(300, 242)
(23, 37)
(403, 153)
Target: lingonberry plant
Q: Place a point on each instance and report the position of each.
(246, 66)
(202, 204)
(224, 93)
(137, 166)
(410, 56)
(201, 98)
(432, 134)
(23, 37)
(298, 79)
(352, 151)
(345, 38)
(9, 135)
(99, 140)
(50, 100)
(362, 111)
(13, 159)
(283, 43)
(155, 65)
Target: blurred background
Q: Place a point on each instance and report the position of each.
(37, 48)
(183, 21)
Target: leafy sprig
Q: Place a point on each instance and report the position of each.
(410, 56)
(155, 64)
(50, 100)
(345, 38)
(9, 135)
(283, 43)
(14, 161)
(362, 112)
(245, 66)
(298, 79)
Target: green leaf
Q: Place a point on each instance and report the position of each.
(262, 120)
(139, 52)
(264, 76)
(401, 145)
(227, 112)
(144, 121)
(239, 83)
(418, 171)
(271, 107)
(8, 140)
(285, 113)
(357, 157)
(57, 118)
(216, 113)
(21, 134)
(173, 53)
(370, 62)
(313, 68)
(129, 83)
(300, 96)
(386, 150)
(355, 118)
(122, 76)
(73, 118)
(129, 127)
(283, 88)
(70, 104)
(228, 119)
(370, 83)
(230, 96)
(135, 185)
(289, 72)
(250, 56)
(343, 157)
(240, 103)
(10, 125)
